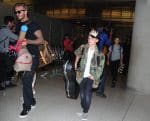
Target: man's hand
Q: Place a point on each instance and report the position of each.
(24, 42)
(108, 62)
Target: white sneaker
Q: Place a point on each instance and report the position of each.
(33, 106)
(79, 114)
(84, 117)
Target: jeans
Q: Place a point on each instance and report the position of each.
(27, 80)
(86, 94)
(101, 86)
(3, 68)
(114, 70)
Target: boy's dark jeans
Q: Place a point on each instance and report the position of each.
(86, 94)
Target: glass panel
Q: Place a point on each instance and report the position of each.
(73, 11)
(56, 12)
(81, 11)
(126, 14)
(116, 13)
(106, 13)
(64, 11)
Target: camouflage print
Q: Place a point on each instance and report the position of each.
(96, 67)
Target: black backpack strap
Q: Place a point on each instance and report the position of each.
(112, 48)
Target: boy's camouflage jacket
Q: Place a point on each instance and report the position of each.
(96, 67)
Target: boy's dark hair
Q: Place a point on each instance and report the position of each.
(8, 19)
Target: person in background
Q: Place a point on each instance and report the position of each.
(68, 48)
(33, 39)
(6, 37)
(103, 44)
(104, 38)
(101, 87)
(78, 41)
(115, 59)
(91, 67)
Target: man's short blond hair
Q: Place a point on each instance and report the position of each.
(21, 4)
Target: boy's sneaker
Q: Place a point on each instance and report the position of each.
(24, 113)
(84, 117)
(79, 114)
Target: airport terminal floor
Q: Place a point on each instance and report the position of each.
(121, 104)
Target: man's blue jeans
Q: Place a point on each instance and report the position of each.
(86, 94)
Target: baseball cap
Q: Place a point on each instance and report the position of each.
(93, 33)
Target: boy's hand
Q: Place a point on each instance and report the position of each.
(91, 77)
(75, 66)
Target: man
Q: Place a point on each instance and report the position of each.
(33, 37)
(6, 36)
(103, 44)
(101, 88)
(91, 67)
(103, 38)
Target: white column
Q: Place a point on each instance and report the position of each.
(139, 69)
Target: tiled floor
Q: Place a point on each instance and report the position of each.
(52, 104)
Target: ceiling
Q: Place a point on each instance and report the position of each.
(93, 7)
(97, 4)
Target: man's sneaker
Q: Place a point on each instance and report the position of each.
(33, 105)
(24, 113)
(84, 117)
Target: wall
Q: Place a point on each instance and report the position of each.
(4, 10)
(139, 69)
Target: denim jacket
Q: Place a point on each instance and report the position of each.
(96, 67)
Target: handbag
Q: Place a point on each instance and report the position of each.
(23, 61)
(46, 55)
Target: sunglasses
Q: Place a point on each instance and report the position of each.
(18, 12)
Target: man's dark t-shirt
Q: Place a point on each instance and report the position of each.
(32, 27)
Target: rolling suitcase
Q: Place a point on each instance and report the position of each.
(71, 86)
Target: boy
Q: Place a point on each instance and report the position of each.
(90, 70)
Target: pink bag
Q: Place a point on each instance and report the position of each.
(23, 61)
